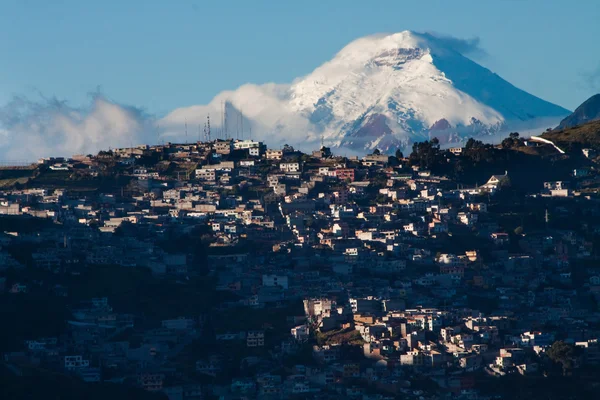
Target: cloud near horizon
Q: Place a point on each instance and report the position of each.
(42, 127)
(30, 129)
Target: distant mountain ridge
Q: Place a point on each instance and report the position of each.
(588, 111)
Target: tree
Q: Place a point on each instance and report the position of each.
(505, 183)
(470, 143)
(426, 154)
(563, 354)
(474, 144)
(513, 140)
(399, 154)
(376, 152)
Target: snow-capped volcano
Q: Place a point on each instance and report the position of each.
(384, 91)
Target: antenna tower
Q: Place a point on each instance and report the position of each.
(207, 128)
(226, 134)
(222, 130)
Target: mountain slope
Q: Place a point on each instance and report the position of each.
(588, 111)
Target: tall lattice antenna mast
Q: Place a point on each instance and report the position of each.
(207, 129)
(222, 134)
(186, 137)
(226, 135)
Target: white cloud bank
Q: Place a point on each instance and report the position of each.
(48, 127)
(30, 129)
(262, 111)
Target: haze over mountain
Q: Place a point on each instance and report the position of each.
(383, 91)
(588, 111)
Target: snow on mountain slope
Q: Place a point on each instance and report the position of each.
(371, 72)
(384, 91)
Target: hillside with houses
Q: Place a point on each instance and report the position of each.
(231, 270)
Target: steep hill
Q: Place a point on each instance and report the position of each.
(586, 112)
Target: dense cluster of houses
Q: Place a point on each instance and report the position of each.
(402, 275)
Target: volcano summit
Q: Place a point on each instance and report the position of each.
(384, 91)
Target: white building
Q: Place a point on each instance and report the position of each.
(206, 174)
(247, 144)
(274, 154)
(300, 333)
(290, 167)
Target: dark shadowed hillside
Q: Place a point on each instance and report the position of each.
(587, 112)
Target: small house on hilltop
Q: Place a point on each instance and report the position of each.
(496, 181)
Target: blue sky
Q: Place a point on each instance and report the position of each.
(161, 55)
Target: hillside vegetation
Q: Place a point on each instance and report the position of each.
(582, 136)
(528, 167)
